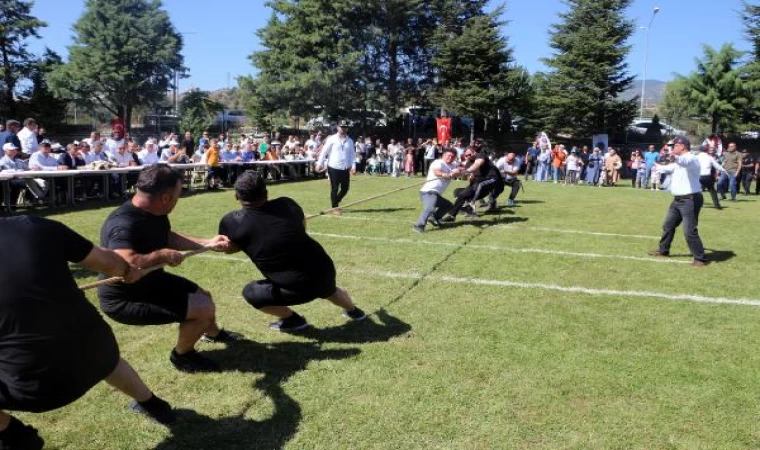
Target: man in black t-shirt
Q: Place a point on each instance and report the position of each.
(54, 345)
(296, 268)
(140, 232)
(485, 180)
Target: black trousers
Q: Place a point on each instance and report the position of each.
(339, 184)
(473, 192)
(515, 185)
(708, 184)
(746, 179)
(684, 210)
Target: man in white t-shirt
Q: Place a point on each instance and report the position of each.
(439, 176)
(509, 167)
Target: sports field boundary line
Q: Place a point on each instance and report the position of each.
(347, 216)
(693, 298)
(498, 248)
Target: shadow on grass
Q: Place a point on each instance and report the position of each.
(484, 222)
(719, 255)
(362, 332)
(518, 202)
(278, 362)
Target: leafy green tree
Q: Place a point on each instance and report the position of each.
(588, 72)
(125, 53)
(16, 26)
(717, 88)
(475, 74)
(198, 112)
(38, 100)
(750, 15)
(676, 104)
(310, 61)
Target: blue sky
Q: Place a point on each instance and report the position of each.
(219, 37)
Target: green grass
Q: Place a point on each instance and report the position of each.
(459, 365)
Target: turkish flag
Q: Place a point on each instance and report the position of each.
(444, 130)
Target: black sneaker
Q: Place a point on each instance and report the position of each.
(192, 362)
(418, 229)
(156, 409)
(19, 436)
(290, 324)
(447, 218)
(355, 314)
(224, 337)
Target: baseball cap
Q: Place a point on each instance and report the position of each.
(9, 146)
(11, 123)
(681, 140)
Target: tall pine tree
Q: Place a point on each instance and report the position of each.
(16, 26)
(125, 53)
(579, 95)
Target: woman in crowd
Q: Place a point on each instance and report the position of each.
(593, 168)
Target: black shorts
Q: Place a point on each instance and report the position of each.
(157, 299)
(261, 293)
(64, 374)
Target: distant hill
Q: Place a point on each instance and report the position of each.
(653, 94)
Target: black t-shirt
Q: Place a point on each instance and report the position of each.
(486, 171)
(45, 320)
(130, 228)
(274, 238)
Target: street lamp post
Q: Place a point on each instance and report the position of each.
(646, 57)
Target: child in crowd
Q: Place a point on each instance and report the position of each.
(654, 179)
(573, 164)
(409, 162)
(641, 172)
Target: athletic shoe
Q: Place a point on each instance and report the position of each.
(448, 218)
(658, 253)
(19, 436)
(290, 324)
(433, 221)
(418, 229)
(355, 314)
(510, 202)
(224, 337)
(192, 361)
(337, 212)
(156, 409)
(698, 263)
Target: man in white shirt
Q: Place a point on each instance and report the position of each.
(149, 154)
(434, 206)
(112, 144)
(338, 155)
(28, 137)
(509, 167)
(706, 165)
(43, 159)
(686, 204)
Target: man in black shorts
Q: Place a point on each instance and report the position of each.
(140, 232)
(296, 268)
(54, 345)
(485, 180)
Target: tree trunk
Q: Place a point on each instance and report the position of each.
(393, 73)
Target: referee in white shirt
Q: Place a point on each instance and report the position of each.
(338, 154)
(706, 165)
(687, 201)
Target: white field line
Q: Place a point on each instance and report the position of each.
(512, 227)
(498, 248)
(543, 286)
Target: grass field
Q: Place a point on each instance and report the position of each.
(545, 326)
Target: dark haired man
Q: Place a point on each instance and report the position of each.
(439, 175)
(54, 345)
(338, 156)
(140, 232)
(296, 268)
(485, 180)
(686, 204)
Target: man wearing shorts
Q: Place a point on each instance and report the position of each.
(140, 232)
(54, 345)
(296, 268)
